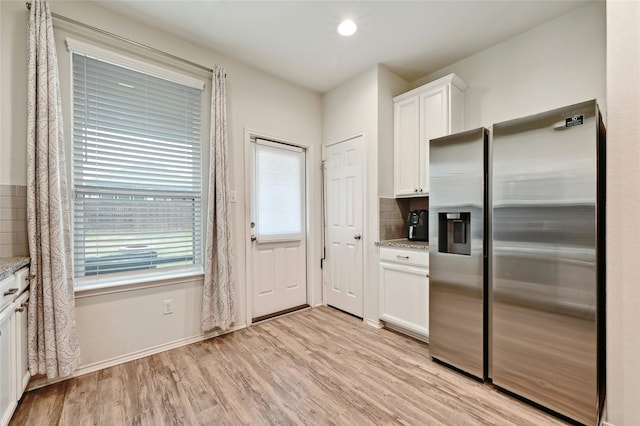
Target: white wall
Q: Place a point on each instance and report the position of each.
(13, 94)
(364, 105)
(118, 324)
(348, 110)
(623, 204)
(389, 85)
(556, 64)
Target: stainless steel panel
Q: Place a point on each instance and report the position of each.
(544, 262)
(456, 281)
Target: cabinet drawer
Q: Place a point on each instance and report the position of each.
(8, 290)
(22, 279)
(405, 256)
(404, 298)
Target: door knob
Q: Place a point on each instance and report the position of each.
(357, 237)
(253, 238)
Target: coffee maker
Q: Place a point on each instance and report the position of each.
(418, 225)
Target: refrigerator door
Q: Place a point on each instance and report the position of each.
(545, 259)
(456, 250)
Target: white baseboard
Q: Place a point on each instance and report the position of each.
(373, 323)
(40, 382)
(403, 330)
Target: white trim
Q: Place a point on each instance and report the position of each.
(167, 280)
(251, 133)
(405, 330)
(340, 140)
(374, 323)
(450, 78)
(277, 145)
(121, 359)
(90, 50)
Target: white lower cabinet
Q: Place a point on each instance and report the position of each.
(8, 399)
(22, 374)
(403, 278)
(14, 368)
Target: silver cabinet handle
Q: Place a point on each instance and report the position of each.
(357, 237)
(402, 257)
(10, 291)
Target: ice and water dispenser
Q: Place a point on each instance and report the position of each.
(454, 233)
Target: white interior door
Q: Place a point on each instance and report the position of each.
(343, 273)
(278, 228)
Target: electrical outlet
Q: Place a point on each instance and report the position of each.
(167, 306)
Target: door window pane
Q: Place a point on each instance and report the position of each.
(279, 192)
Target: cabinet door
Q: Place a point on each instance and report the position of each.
(406, 158)
(434, 123)
(22, 375)
(7, 379)
(404, 297)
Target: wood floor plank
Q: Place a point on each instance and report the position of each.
(314, 367)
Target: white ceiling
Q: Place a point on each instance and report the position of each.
(297, 40)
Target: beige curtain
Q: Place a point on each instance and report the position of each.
(53, 343)
(219, 295)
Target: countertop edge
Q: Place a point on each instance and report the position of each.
(405, 244)
(9, 265)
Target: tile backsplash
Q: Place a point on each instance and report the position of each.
(392, 219)
(13, 221)
(393, 215)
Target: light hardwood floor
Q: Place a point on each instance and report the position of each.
(318, 366)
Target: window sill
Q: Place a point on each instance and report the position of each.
(124, 284)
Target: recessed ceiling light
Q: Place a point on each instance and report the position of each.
(347, 28)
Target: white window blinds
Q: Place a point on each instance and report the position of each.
(279, 192)
(136, 170)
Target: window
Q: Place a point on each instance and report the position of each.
(279, 179)
(137, 203)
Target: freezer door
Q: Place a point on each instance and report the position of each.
(456, 250)
(544, 262)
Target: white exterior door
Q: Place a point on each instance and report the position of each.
(343, 274)
(278, 255)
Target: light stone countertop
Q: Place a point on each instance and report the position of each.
(404, 243)
(8, 265)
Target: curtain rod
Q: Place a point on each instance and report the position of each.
(116, 36)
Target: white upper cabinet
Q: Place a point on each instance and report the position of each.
(427, 112)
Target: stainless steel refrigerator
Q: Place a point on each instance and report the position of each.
(543, 299)
(457, 250)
